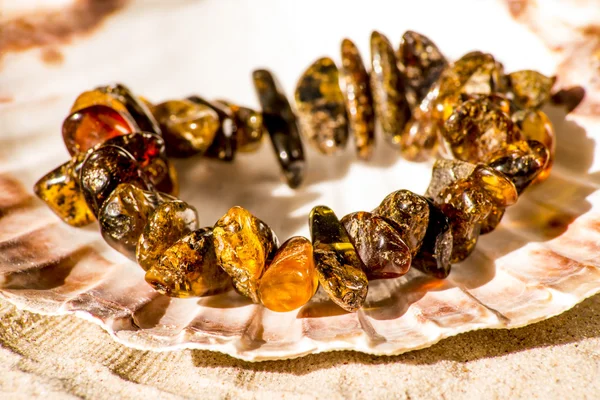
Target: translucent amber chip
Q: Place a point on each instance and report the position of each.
(535, 125)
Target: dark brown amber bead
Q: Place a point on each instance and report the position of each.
(188, 128)
(88, 127)
(391, 108)
(124, 214)
(339, 268)
(444, 173)
(169, 222)
(321, 108)
(434, 255)
(529, 89)
(290, 280)
(189, 268)
(103, 170)
(60, 190)
(535, 125)
(280, 122)
(379, 246)
(244, 244)
(250, 129)
(421, 63)
(138, 109)
(359, 102)
(224, 143)
(409, 214)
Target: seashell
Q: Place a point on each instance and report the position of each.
(540, 261)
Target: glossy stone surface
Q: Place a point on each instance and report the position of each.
(93, 125)
(243, 245)
(379, 246)
(250, 129)
(444, 173)
(409, 214)
(434, 255)
(124, 214)
(290, 280)
(359, 102)
(339, 268)
(535, 125)
(280, 122)
(500, 190)
(420, 138)
(492, 221)
(169, 222)
(61, 192)
(529, 89)
(189, 268)
(321, 107)
(98, 97)
(224, 143)
(138, 110)
(391, 107)
(421, 63)
(103, 170)
(188, 127)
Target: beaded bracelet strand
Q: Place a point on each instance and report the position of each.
(486, 127)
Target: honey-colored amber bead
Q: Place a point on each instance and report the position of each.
(409, 214)
(500, 189)
(321, 107)
(391, 108)
(188, 127)
(244, 244)
(529, 89)
(93, 125)
(444, 173)
(169, 222)
(137, 109)
(98, 98)
(224, 143)
(420, 138)
(359, 102)
(535, 125)
(379, 246)
(339, 268)
(60, 190)
(124, 214)
(492, 221)
(189, 268)
(250, 129)
(290, 280)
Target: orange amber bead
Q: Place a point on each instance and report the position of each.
(291, 279)
(90, 126)
(536, 125)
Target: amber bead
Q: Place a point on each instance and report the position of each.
(420, 138)
(521, 162)
(379, 246)
(224, 143)
(529, 89)
(434, 255)
(339, 268)
(444, 173)
(103, 170)
(250, 129)
(321, 107)
(60, 190)
(421, 62)
(290, 280)
(169, 222)
(492, 220)
(124, 214)
(98, 97)
(188, 128)
(93, 125)
(409, 214)
(359, 102)
(189, 268)
(281, 124)
(535, 125)
(244, 244)
(391, 108)
(138, 109)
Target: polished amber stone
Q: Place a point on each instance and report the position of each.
(444, 173)
(103, 170)
(124, 214)
(535, 125)
(500, 189)
(93, 125)
(189, 268)
(280, 122)
(409, 214)
(290, 280)
(339, 268)
(250, 129)
(492, 220)
(421, 62)
(98, 97)
(224, 143)
(391, 108)
(420, 138)
(169, 222)
(435, 253)
(188, 128)
(138, 109)
(529, 89)
(244, 244)
(379, 246)
(60, 190)
(359, 102)
(321, 107)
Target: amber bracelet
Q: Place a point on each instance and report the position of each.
(485, 126)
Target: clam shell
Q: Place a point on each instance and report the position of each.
(541, 261)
